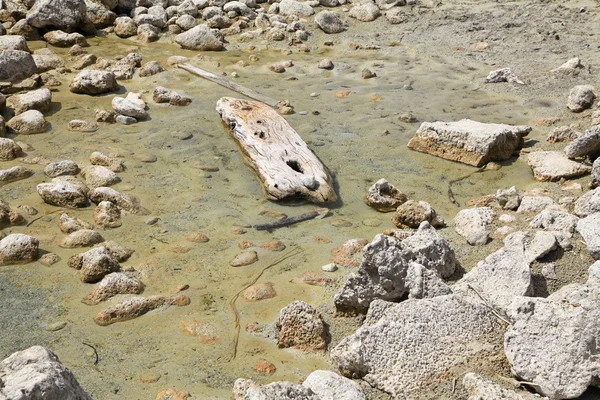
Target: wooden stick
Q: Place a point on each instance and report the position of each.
(492, 309)
(236, 87)
(451, 193)
(322, 212)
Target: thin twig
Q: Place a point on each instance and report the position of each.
(453, 385)
(492, 309)
(451, 193)
(291, 253)
(97, 360)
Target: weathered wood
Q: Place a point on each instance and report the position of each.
(236, 87)
(273, 149)
(321, 213)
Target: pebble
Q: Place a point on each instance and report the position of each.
(197, 237)
(264, 367)
(373, 222)
(325, 64)
(329, 267)
(152, 220)
(314, 94)
(259, 291)
(181, 135)
(549, 271)
(56, 326)
(407, 86)
(150, 377)
(49, 259)
(244, 258)
(238, 231)
(122, 119)
(341, 223)
(146, 158)
(368, 74)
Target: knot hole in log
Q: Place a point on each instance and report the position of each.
(293, 164)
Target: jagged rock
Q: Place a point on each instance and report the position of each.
(16, 65)
(125, 27)
(581, 98)
(68, 224)
(164, 95)
(571, 67)
(36, 373)
(540, 245)
(123, 201)
(94, 264)
(28, 123)
(246, 389)
(503, 75)
(107, 215)
(468, 141)
(594, 183)
(125, 107)
(503, 275)
(535, 204)
(509, 199)
(114, 164)
(328, 385)
(555, 220)
(589, 229)
(13, 42)
(300, 326)
(296, 8)
(81, 238)
(479, 388)
(365, 11)
(412, 213)
(17, 248)
(586, 144)
(62, 194)
(94, 82)
(554, 165)
(112, 285)
(15, 173)
(588, 204)
(67, 15)
(386, 262)
(135, 307)
(150, 68)
(63, 39)
(65, 167)
(548, 341)
(474, 224)
(119, 252)
(563, 134)
(387, 351)
(199, 38)
(424, 283)
(384, 197)
(9, 150)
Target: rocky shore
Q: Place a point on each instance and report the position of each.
(459, 254)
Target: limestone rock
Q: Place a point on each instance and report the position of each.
(474, 224)
(107, 215)
(300, 326)
(119, 252)
(365, 11)
(65, 167)
(164, 95)
(199, 38)
(535, 204)
(412, 213)
(595, 182)
(330, 386)
(94, 264)
(135, 307)
(468, 141)
(587, 144)
(572, 67)
(79, 125)
(589, 229)
(125, 27)
(581, 98)
(384, 197)
(554, 165)
(28, 123)
(123, 201)
(37, 373)
(387, 351)
(63, 39)
(246, 389)
(150, 68)
(112, 285)
(540, 245)
(259, 291)
(329, 22)
(13, 42)
(128, 108)
(588, 204)
(563, 134)
(94, 82)
(555, 220)
(68, 224)
(503, 75)
(383, 273)
(62, 194)
(17, 248)
(35, 100)
(509, 199)
(58, 14)
(296, 8)
(480, 389)
(14, 174)
(9, 150)
(81, 238)
(244, 258)
(16, 65)
(114, 164)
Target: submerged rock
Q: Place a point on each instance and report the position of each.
(81, 238)
(112, 285)
(164, 95)
(300, 326)
(14, 174)
(114, 164)
(107, 215)
(135, 307)
(123, 201)
(65, 167)
(468, 141)
(68, 224)
(412, 213)
(244, 258)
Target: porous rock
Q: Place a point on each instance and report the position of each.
(296, 8)
(62, 194)
(150, 68)
(18, 248)
(554, 165)
(535, 204)
(329, 22)
(134, 307)
(27, 123)
(94, 264)
(13, 42)
(365, 11)
(412, 213)
(68, 224)
(35, 100)
(9, 150)
(199, 38)
(126, 107)
(14, 174)
(509, 199)
(300, 326)
(63, 39)
(554, 220)
(474, 224)
(107, 215)
(67, 15)
(81, 238)
(503, 75)
(349, 254)
(588, 204)
(331, 386)
(164, 95)
(384, 197)
(123, 201)
(246, 389)
(112, 285)
(94, 82)
(112, 163)
(65, 167)
(581, 98)
(479, 388)
(595, 182)
(16, 65)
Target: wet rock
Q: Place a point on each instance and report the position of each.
(98, 175)
(273, 245)
(68, 224)
(27, 123)
(295, 8)
(588, 204)
(62, 194)
(107, 215)
(581, 98)
(350, 253)
(16, 65)
(300, 326)
(49, 259)
(14, 174)
(277, 68)
(474, 224)
(365, 11)
(535, 204)
(148, 33)
(114, 284)
(99, 14)
(555, 220)
(13, 42)
(562, 134)
(594, 183)
(589, 229)
(246, 389)
(548, 340)
(150, 68)
(264, 367)
(105, 116)
(125, 27)
(384, 197)
(244, 258)
(79, 125)
(197, 238)
(479, 388)
(411, 213)
(123, 201)
(137, 306)
(94, 82)
(114, 164)
(330, 386)
(9, 150)
(37, 373)
(172, 394)
(468, 141)
(503, 275)
(199, 38)
(503, 75)
(35, 100)
(164, 95)
(586, 144)
(315, 278)
(119, 252)
(67, 15)
(65, 167)
(571, 67)
(387, 351)
(383, 271)
(17, 248)
(259, 291)
(85, 61)
(63, 39)
(125, 107)
(94, 264)
(554, 165)
(81, 238)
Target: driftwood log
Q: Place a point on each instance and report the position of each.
(273, 149)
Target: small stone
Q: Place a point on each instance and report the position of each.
(259, 291)
(152, 220)
(182, 135)
(506, 219)
(384, 197)
(150, 377)
(244, 258)
(350, 253)
(81, 238)
(80, 125)
(172, 394)
(329, 267)
(56, 326)
(581, 98)
(264, 367)
(49, 259)
(325, 64)
(125, 120)
(368, 74)
(274, 245)
(197, 237)
(277, 68)
(65, 167)
(549, 271)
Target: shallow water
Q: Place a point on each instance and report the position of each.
(347, 135)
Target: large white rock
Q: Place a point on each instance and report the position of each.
(474, 224)
(581, 97)
(35, 100)
(36, 373)
(62, 194)
(468, 141)
(66, 15)
(16, 65)
(331, 386)
(554, 165)
(588, 204)
(28, 123)
(589, 229)
(293, 7)
(483, 389)
(94, 82)
(199, 38)
(17, 248)
(128, 108)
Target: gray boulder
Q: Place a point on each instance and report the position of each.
(94, 82)
(588, 204)
(331, 386)
(36, 373)
(503, 75)
(586, 144)
(125, 27)
(474, 224)
(16, 65)
(66, 15)
(581, 98)
(17, 248)
(535, 204)
(384, 271)
(13, 42)
(199, 38)
(388, 351)
(589, 229)
(35, 100)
